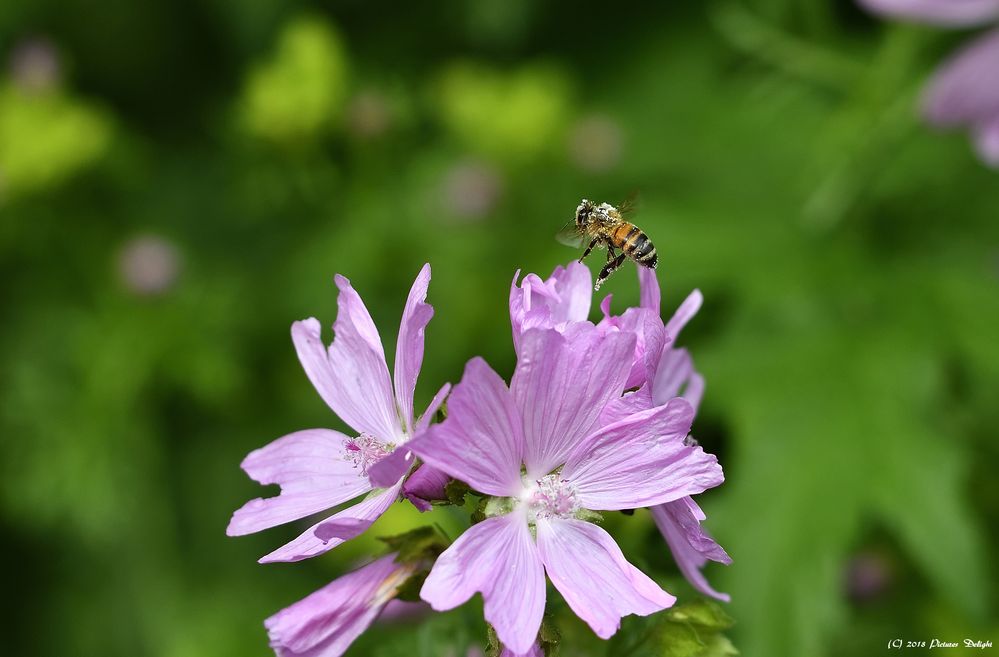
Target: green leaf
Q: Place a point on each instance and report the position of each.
(417, 545)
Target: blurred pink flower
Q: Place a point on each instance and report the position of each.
(964, 92)
(471, 189)
(538, 447)
(148, 265)
(318, 469)
(596, 143)
(34, 65)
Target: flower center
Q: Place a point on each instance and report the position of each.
(552, 498)
(366, 450)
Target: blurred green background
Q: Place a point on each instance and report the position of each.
(180, 180)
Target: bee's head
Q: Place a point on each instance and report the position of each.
(584, 213)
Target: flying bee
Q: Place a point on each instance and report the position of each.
(604, 226)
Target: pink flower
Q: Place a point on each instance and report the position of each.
(539, 449)
(964, 92)
(318, 469)
(325, 623)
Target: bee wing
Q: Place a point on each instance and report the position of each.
(629, 206)
(570, 236)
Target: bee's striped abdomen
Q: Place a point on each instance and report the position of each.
(629, 238)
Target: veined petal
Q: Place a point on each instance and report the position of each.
(535, 651)
(387, 471)
(589, 570)
(425, 485)
(428, 415)
(641, 461)
(358, 361)
(680, 524)
(313, 472)
(694, 390)
(497, 558)
(941, 12)
(673, 370)
(649, 294)
(561, 386)
(355, 387)
(563, 298)
(684, 314)
(650, 335)
(481, 442)
(628, 404)
(339, 528)
(574, 283)
(963, 90)
(325, 623)
(409, 347)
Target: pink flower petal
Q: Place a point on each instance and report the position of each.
(387, 471)
(535, 651)
(325, 623)
(356, 384)
(694, 390)
(628, 404)
(432, 407)
(674, 369)
(589, 570)
(562, 384)
(481, 441)
(987, 141)
(314, 475)
(641, 461)
(339, 528)
(565, 297)
(650, 337)
(940, 12)
(409, 347)
(964, 90)
(684, 314)
(692, 547)
(497, 558)
(649, 295)
(424, 486)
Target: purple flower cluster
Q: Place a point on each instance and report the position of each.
(595, 418)
(964, 92)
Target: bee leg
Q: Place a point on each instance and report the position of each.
(588, 249)
(609, 268)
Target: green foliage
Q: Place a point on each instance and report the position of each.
(689, 630)
(47, 136)
(296, 95)
(422, 544)
(510, 116)
(455, 491)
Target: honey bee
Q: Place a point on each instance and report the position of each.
(604, 226)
